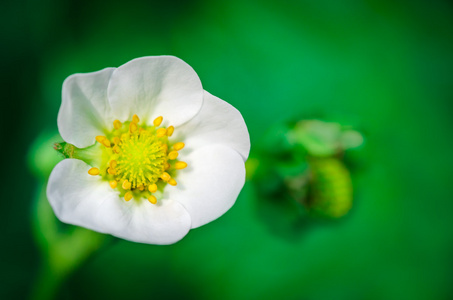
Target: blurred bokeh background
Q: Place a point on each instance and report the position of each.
(385, 64)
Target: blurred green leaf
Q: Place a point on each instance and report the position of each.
(63, 247)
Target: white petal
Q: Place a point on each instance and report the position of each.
(210, 184)
(156, 86)
(85, 110)
(217, 123)
(88, 201)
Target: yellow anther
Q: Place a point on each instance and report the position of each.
(172, 182)
(116, 140)
(103, 140)
(160, 132)
(113, 164)
(111, 171)
(106, 143)
(165, 147)
(117, 124)
(93, 171)
(165, 176)
(180, 165)
(152, 199)
(133, 127)
(128, 196)
(152, 188)
(126, 185)
(170, 130)
(178, 146)
(135, 119)
(158, 121)
(173, 155)
(167, 166)
(116, 149)
(141, 188)
(113, 184)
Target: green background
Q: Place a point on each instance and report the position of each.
(386, 64)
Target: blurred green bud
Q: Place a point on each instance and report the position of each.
(42, 157)
(330, 188)
(308, 168)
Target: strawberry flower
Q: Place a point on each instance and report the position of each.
(151, 155)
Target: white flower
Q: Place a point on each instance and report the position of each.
(136, 175)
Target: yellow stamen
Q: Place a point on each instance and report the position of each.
(113, 184)
(126, 185)
(152, 199)
(141, 188)
(113, 164)
(158, 121)
(178, 146)
(165, 176)
(103, 140)
(160, 132)
(116, 149)
(172, 182)
(135, 119)
(180, 165)
(173, 155)
(111, 171)
(167, 166)
(116, 140)
(117, 124)
(152, 188)
(170, 130)
(93, 171)
(133, 127)
(128, 196)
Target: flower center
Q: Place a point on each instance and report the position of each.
(142, 159)
(139, 160)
